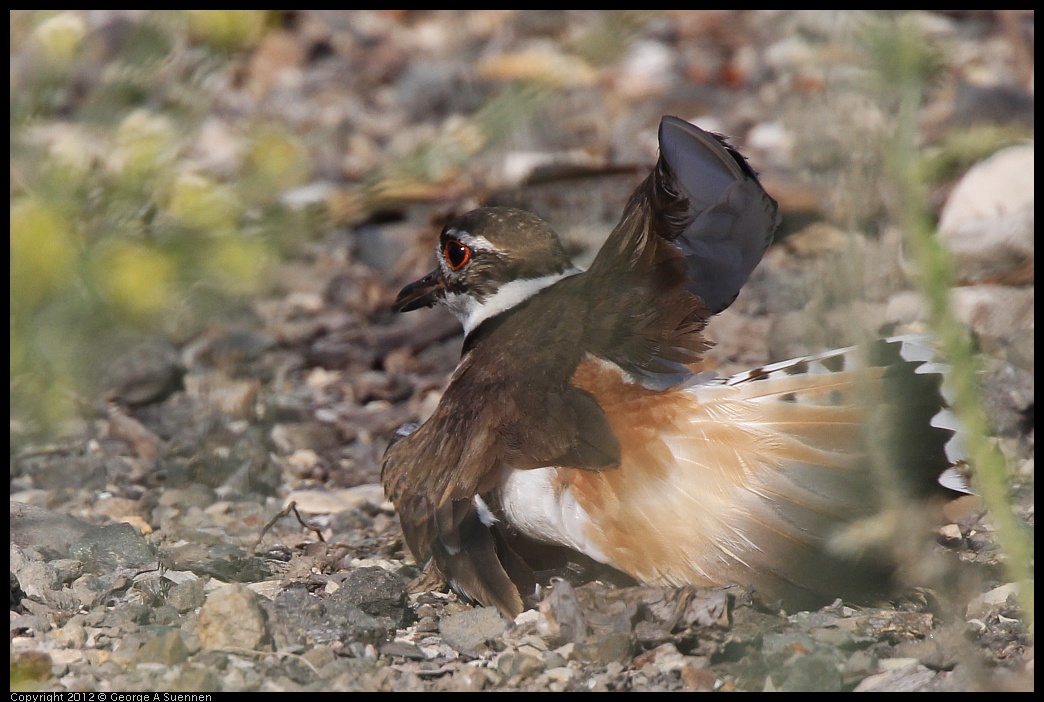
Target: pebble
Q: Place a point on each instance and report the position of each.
(232, 618)
(469, 631)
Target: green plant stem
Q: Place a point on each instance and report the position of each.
(990, 469)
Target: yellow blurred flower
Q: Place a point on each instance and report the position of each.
(237, 264)
(203, 203)
(227, 30)
(61, 36)
(144, 141)
(69, 149)
(43, 251)
(139, 279)
(278, 158)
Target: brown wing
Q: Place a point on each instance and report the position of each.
(453, 538)
(688, 240)
(487, 422)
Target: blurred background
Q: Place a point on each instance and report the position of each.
(162, 162)
(211, 212)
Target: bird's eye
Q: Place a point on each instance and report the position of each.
(456, 254)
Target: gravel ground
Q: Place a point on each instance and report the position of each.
(150, 547)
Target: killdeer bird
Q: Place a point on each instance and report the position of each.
(578, 416)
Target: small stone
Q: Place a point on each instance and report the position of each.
(605, 647)
(377, 592)
(403, 649)
(146, 374)
(950, 534)
(562, 674)
(1000, 595)
(897, 663)
(905, 677)
(665, 658)
(906, 307)
(563, 615)
(470, 679)
(72, 635)
(231, 618)
(106, 548)
(468, 631)
(994, 312)
(186, 596)
(813, 673)
(236, 398)
(976, 627)
(36, 578)
(195, 680)
(269, 589)
(334, 501)
(516, 666)
(51, 532)
(293, 436)
(167, 648)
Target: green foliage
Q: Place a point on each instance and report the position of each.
(901, 54)
(964, 148)
(118, 228)
(611, 37)
(905, 62)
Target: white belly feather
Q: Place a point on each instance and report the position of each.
(531, 504)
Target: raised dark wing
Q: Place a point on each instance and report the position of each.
(686, 243)
(728, 220)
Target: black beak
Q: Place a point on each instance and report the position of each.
(422, 293)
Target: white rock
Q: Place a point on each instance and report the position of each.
(988, 221)
(1000, 595)
(269, 589)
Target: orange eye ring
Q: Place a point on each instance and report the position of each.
(456, 254)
